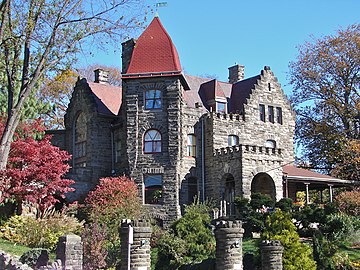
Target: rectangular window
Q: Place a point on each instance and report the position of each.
(279, 115)
(153, 189)
(271, 114)
(262, 112)
(221, 107)
(152, 99)
(191, 145)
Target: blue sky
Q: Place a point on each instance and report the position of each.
(211, 36)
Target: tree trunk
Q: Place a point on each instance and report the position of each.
(6, 138)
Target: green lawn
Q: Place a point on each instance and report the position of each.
(11, 248)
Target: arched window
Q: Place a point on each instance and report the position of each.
(80, 135)
(152, 141)
(233, 140)
(191, 145)
(152, 99)
(270, 144)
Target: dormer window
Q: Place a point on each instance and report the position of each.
(221, 107)
(152, 99)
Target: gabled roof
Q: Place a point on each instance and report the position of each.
(107, 98)
(154, 52)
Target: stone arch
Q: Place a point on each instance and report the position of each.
(263, 183)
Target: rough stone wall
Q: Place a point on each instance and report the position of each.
(190, 166)
(252, 132)
(271, 255)
(98, 140)
(168, 122)
(229, 236)
(268, 92)
(70, 252)
(139, 249)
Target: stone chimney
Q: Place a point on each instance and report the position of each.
(101, 76)
(127, 50)
(236, 73)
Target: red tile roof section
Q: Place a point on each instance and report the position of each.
(154, 52)
(107, 97)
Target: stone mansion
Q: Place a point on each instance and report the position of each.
(180, 136)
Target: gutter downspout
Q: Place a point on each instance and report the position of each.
(202, 159)
(112, 150)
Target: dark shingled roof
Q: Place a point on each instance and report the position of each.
(240, 92)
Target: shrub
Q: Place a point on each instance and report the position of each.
(340, 227)
(114, 199)
(297, 256)
(35, 257)
(258, 200)
(189, 241)
(349, 202)
(94, 246)
(40, 232)
(285, 205)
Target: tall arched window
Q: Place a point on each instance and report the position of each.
(152, 141)
(80, 141)
(191, 145)
(233, 140)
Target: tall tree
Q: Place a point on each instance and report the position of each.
(40, 36)
(326, 80)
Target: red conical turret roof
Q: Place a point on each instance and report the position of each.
(154, 53)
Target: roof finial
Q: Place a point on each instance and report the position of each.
(159, 5)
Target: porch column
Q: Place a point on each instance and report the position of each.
(285, 185)
(330, 192)
(307, 193)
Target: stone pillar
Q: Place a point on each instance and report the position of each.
(271, 255)
(70, 252)
(135, 256)
(229, 234)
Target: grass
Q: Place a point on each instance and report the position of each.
(250, 246)
(352, 252)
(11, 248)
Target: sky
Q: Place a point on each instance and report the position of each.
(211, 36)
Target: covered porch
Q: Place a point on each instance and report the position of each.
(298, 179)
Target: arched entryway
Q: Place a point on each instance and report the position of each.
(263, 183)
(229, 193)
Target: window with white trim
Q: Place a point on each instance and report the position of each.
(191, 145)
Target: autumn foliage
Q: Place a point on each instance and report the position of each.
(114, 198)
(349, 202)
(34, 170)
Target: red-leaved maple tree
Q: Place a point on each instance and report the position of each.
(34, 170)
